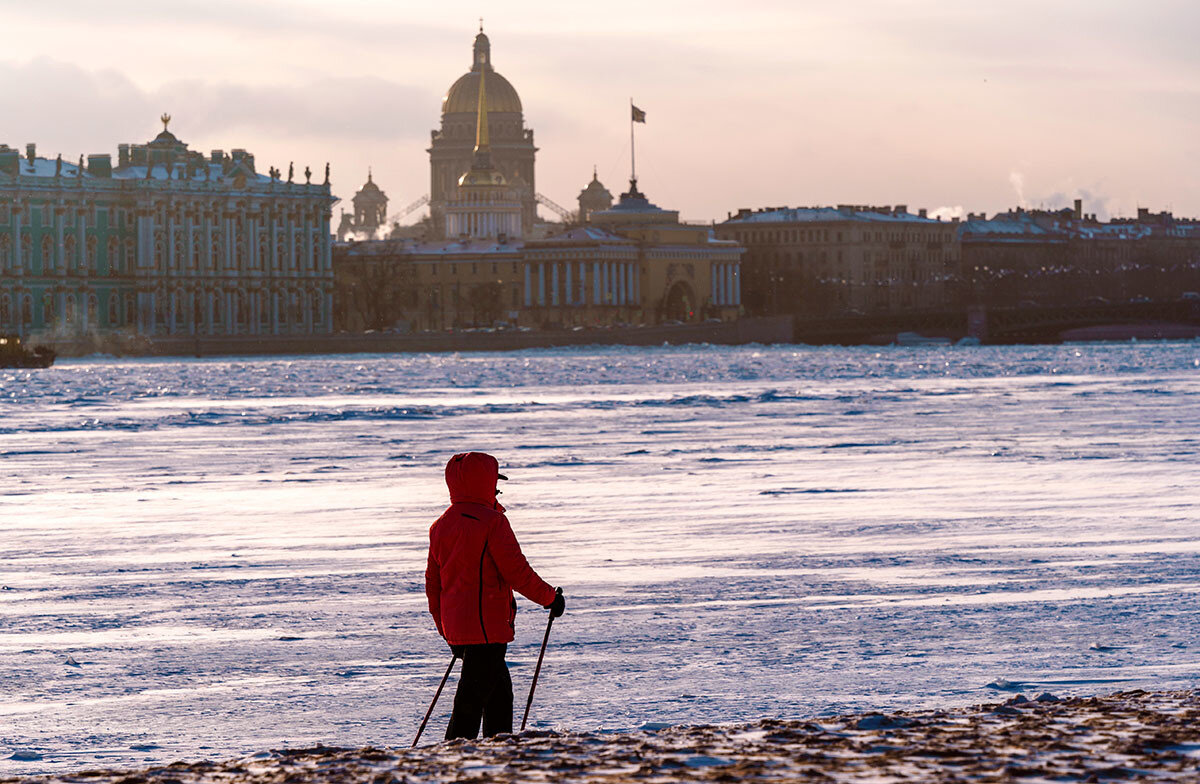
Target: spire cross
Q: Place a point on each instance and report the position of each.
(481, 24)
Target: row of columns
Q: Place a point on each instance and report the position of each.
(220, 310)
(726, 284)
(305, 240)
(298, 244)
(59, 260)
(483, 223)
(611, 283)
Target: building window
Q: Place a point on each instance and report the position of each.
(70, 262)
(47, 254)
(114, 247)
(114, 310)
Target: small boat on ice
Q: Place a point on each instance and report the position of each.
(15, 354)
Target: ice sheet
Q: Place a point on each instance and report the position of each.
(232, 550)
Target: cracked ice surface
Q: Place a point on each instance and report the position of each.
(208, 558)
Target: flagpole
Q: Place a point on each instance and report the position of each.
(632, 155)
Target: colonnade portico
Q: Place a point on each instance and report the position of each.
(582, 283)
(726, 284)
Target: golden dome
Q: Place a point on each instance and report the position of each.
(463, 95)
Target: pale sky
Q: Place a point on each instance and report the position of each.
(930, 103)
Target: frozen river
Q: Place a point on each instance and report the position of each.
(207, 558)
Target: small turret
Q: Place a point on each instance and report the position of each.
(594, 198)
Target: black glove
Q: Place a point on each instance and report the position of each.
(458, 650)
(557, 606)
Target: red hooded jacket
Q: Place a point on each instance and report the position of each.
(475, 561)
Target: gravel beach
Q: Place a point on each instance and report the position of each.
(1128, 736)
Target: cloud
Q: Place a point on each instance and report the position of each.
(351, 109)
(78, 109)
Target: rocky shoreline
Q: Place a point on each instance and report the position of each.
(1128, 736)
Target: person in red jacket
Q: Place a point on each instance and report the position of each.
(474, 565)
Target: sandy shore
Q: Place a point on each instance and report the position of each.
(1129, 736)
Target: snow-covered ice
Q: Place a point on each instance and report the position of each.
(209, 558)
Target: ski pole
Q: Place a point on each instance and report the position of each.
(436, 694)
(538, 670)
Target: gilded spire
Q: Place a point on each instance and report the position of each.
(481, 119)
(482, 171)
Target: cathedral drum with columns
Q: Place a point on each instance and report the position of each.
(452, 147)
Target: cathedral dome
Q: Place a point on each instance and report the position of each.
(463, 95)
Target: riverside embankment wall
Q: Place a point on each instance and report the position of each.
(749, 330)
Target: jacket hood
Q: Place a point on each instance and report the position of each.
(471, 477)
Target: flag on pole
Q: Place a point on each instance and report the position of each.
(638, 114)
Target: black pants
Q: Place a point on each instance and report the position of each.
(484, 692)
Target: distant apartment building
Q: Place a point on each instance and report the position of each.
(848, 259)
(168, 242)
(1068, 257)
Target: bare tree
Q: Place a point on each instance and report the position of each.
(373, 291)
(486, 302)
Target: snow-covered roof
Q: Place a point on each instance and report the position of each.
(201, 174)
(1006, 228)
(828, 215)
(1041, 226)
(585, 234)
(409, 247)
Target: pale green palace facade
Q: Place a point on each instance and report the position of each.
(169, 242)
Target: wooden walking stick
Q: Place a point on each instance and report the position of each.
(537, 671)
(436, 694)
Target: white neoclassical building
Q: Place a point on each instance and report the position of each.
(169, 242)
